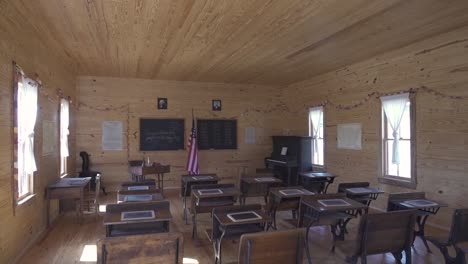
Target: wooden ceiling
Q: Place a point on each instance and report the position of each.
(239, 41)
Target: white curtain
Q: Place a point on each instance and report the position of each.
(316, 119)
(64, 125)
(27, 112)
(394, 106)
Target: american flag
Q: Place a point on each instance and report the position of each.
(192, 162)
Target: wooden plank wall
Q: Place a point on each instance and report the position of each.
(128, 100)
(439, 63)
(33, 52)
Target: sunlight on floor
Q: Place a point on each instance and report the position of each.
(89, 253)
(102, 208)
(190, 261)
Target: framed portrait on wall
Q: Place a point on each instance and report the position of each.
(216, 105)
(162, 103)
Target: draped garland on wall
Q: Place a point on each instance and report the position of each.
(377, 95)
(51, 97)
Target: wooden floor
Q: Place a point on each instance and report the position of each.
(71, 242)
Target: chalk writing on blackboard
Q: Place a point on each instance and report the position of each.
(161, 134)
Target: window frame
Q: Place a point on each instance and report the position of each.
(410, 182)
(318, 166)
(63, 161)
(17, 198)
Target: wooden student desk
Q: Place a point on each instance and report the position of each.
(363, 194)
(115, 226)
(424, 213)
(205, 203)
(255, 186)
(279, 201)
(67, 188)
(154, 193)
(319, 180)
(311, 208)
(186, 182)
(225, 228)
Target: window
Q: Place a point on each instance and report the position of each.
(316, 132)
(397, 140)
(26, 112)
(64, 124)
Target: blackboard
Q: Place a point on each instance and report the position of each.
(161, 134)
(217, 134)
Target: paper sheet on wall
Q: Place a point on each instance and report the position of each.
(249, 135)
(112, 135)
(349, 136)
(49, 137)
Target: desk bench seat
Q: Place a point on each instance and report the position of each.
(215, 202)
(139, 229)
(234, 232)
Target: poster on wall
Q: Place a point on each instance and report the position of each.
(112, 135)
(49, 137)
(349, 136)
(249, 135)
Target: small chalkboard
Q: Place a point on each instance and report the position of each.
(210, 191)
(333, 202)
(138, 187)
(419, 203)
(137, 215)
(138, 198)
(202, 178)
(265, 179)
(217, 134)
(161, 134)
(244, 216)
(291, 192)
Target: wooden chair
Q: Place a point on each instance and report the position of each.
(272, 247)
(458, 234)
(208, 204)
(91, 199)
(141, 249)
(135, 168)
(380, 233)
(87, 172)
